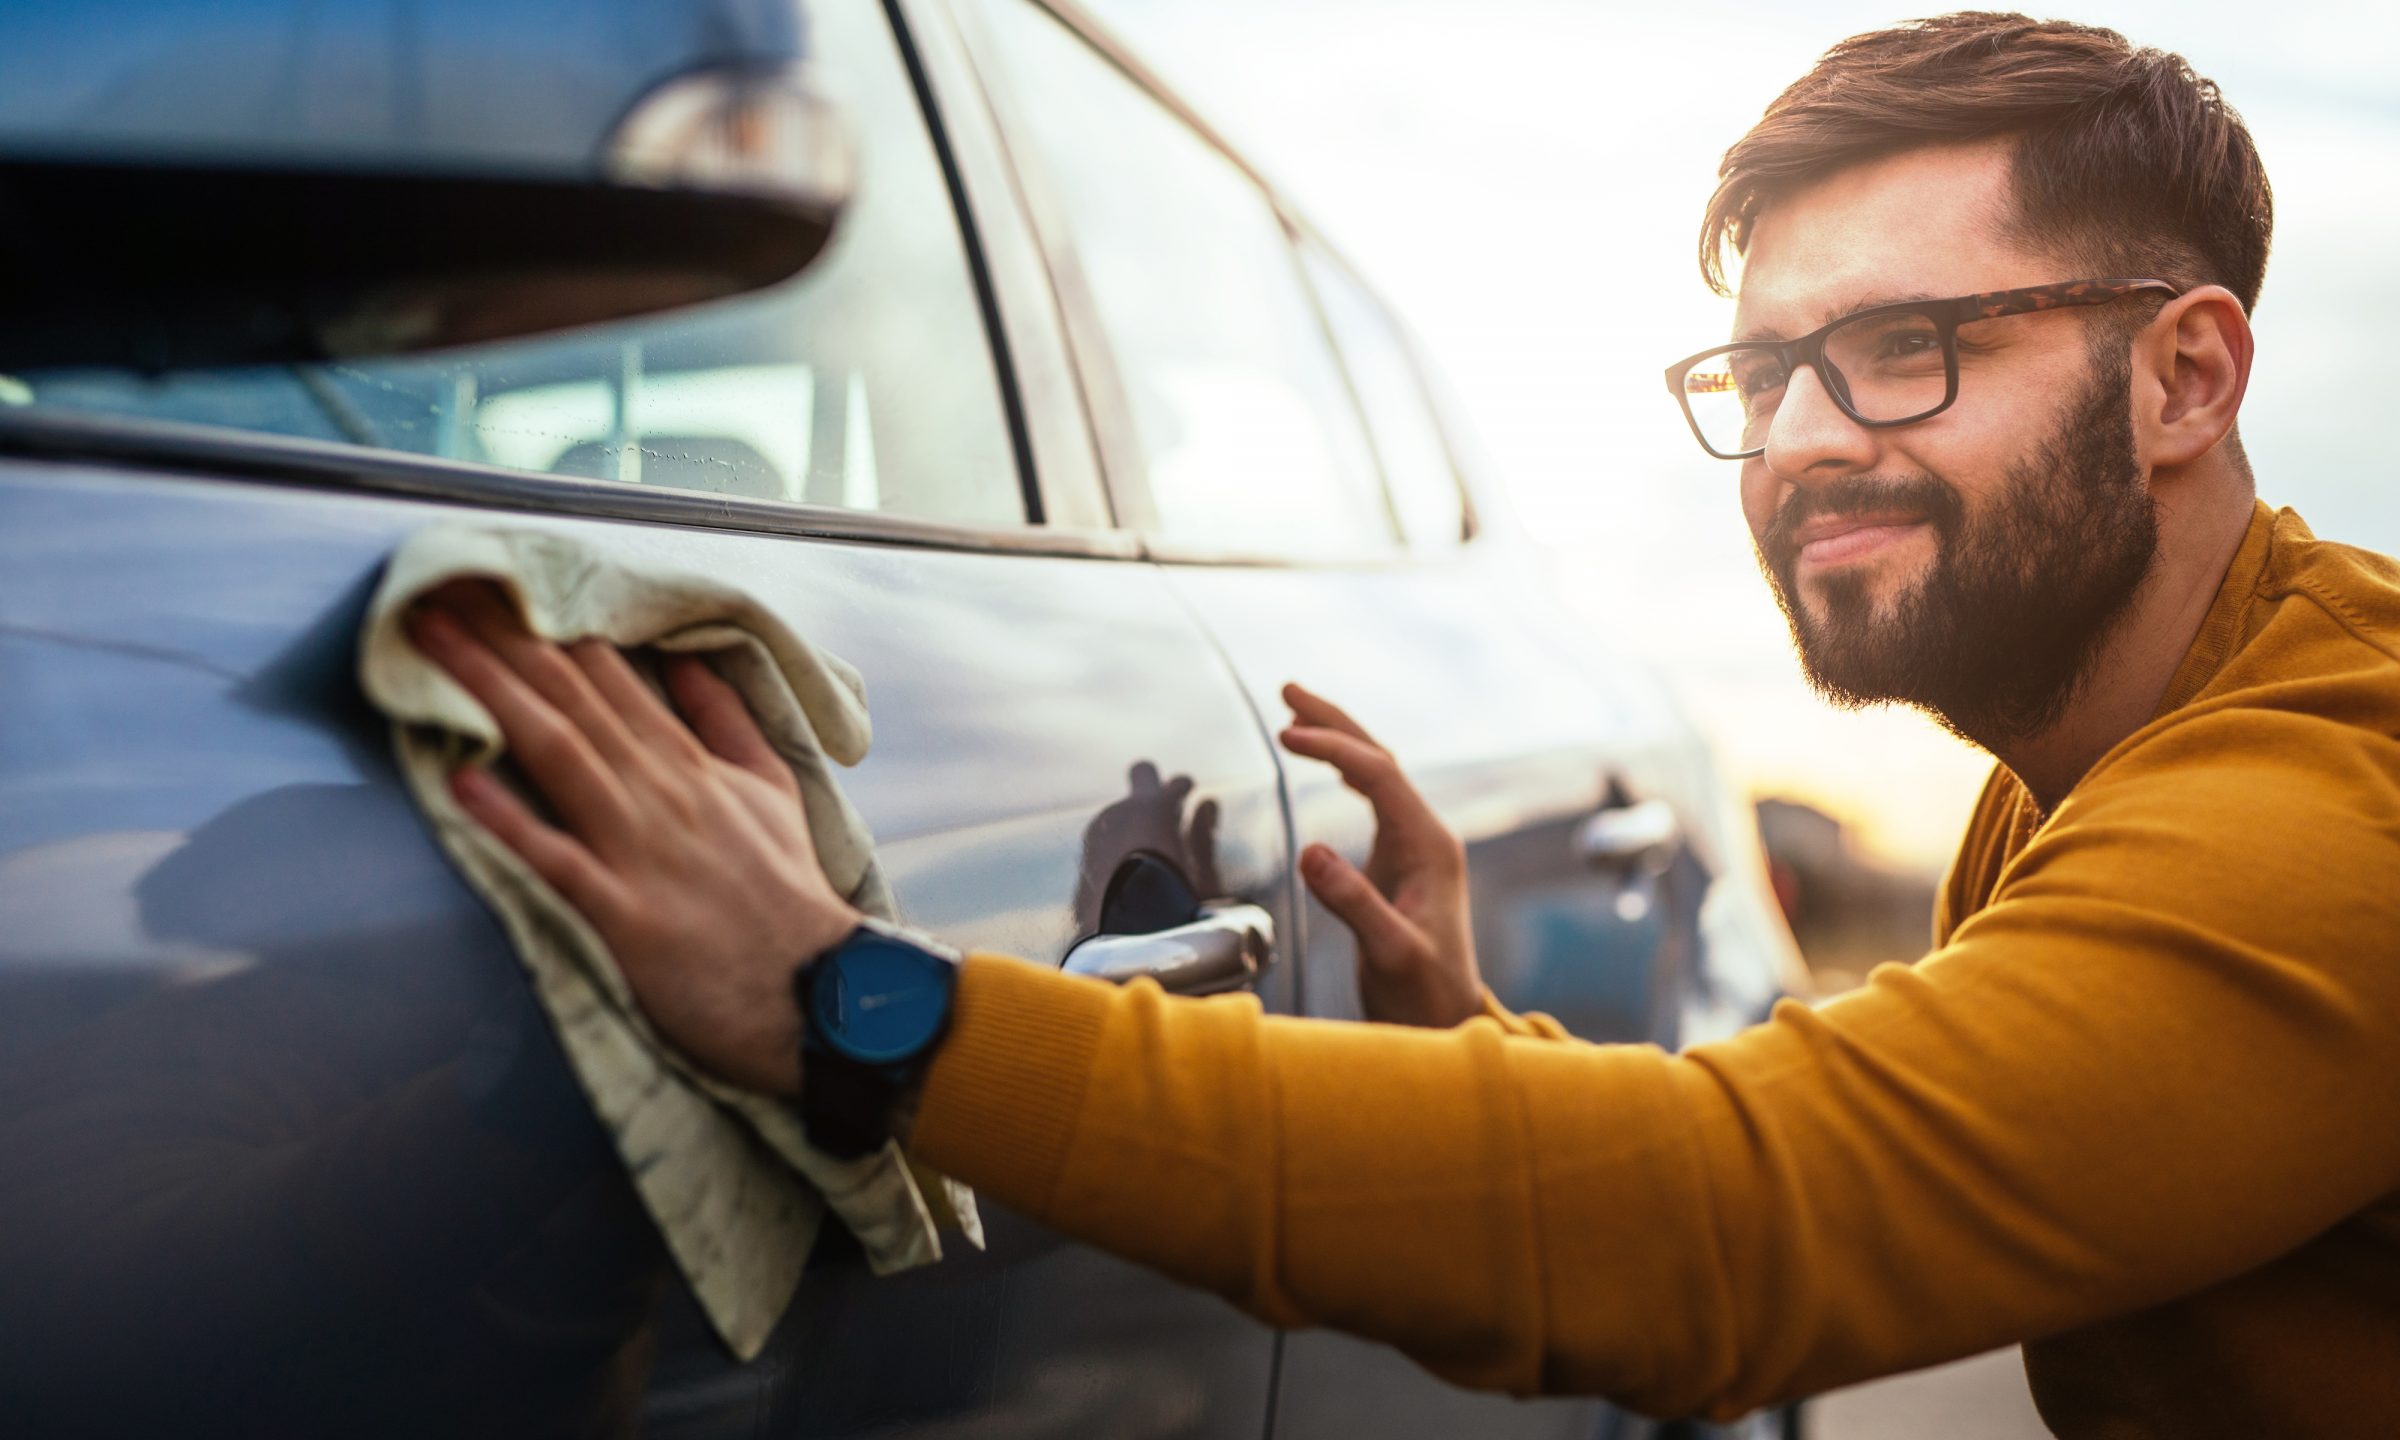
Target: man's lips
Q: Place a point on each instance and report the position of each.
(1835, 539)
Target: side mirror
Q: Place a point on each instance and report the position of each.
(497, 176)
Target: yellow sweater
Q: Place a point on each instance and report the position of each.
(2141, 1107)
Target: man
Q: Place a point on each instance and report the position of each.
(2140, 1109)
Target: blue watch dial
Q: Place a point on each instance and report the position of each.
(878, 1000)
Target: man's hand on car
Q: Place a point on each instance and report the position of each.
(683, 843)
(1408, 909)
(682, 839)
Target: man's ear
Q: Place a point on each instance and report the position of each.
(2191, 366)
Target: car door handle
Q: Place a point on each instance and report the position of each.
(1227, 948)
(1630, 838)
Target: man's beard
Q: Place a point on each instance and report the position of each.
(2001, 634)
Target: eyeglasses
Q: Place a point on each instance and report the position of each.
(1886, 365)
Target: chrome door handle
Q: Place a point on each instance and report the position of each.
(1227, 948)
(1629, 838)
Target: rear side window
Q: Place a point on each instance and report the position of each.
(866, 382)
(1247, 429)
(1417, 463)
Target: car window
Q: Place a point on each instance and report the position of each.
(866, 382)
(1417, 464)
(1247, 429)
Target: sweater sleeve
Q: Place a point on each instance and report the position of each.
(2161, 1056)
(1533, 1026)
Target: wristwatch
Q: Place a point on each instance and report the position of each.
(872, 1009)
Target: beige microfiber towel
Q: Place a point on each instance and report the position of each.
(728, 1176)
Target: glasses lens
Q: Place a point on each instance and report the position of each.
(1891, 367)
(1732, 398)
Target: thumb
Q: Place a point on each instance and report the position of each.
(1384, 934)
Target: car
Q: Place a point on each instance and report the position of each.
(946, 330)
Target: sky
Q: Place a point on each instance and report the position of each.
(1523, 179)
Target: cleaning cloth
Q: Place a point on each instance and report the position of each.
(728, 1176)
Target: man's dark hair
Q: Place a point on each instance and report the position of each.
(2125, 161)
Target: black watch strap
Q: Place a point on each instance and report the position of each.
(844, 1106)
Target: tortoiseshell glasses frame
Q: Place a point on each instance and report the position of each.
(1778, 360)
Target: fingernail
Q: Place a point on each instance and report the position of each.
(470, 784)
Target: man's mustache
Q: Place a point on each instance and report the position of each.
(1856, 495)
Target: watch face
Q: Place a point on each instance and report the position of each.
(878, 999)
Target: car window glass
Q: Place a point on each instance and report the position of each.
(866, 382)
(1247, 429)
(1417, 464)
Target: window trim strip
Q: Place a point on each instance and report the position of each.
(166, 445)
(979, 272)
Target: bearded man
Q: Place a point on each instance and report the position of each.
(2140, 1109)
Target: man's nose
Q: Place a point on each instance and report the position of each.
(1811, 437)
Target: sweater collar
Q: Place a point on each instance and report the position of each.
(2222, 627)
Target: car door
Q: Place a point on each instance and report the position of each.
(1582, 889)
(1317, 547)
(245, 1005)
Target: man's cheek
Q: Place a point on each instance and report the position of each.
(1761, 493)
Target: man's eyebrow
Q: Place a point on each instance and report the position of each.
(1856, 304)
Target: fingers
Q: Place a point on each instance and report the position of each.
(645, 717)
(722, 720)
(540, 664)
(556, 752)
(556, 857)
(1310, 708)
(1385, 936)
(1370, 770)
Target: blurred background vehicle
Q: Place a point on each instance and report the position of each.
(1850, 910)
(1073, 435)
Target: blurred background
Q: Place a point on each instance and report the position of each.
(1524, 179)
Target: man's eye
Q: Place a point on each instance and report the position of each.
(1906, 344)
(1754, 381)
